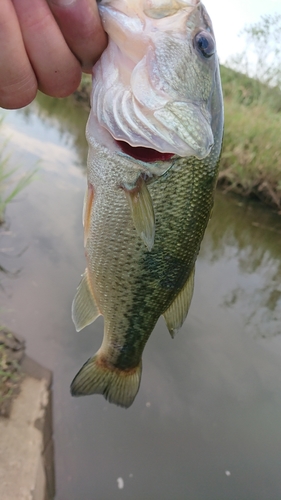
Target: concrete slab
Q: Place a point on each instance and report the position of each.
(26, 446)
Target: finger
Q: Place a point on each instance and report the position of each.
(57, 69)
(81, 26)
(18, 85)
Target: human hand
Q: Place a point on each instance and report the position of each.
(44, 45)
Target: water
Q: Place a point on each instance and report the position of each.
(206, 422)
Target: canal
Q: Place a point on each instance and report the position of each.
(206, 424)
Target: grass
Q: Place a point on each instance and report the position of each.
(250, 163)
(7, 179)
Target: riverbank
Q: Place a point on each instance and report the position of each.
(12, 350)
(250, 163)
(27, 449)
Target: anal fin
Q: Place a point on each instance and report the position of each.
(142, 211)
(84, 307)
(177, 312)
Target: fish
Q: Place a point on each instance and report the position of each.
(155, 134)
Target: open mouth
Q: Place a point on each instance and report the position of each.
(144, 154)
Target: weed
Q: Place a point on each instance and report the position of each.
(250, 161)
(11, 353)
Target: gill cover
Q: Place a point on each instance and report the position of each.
(143, 85)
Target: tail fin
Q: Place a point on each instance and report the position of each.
(118, 386)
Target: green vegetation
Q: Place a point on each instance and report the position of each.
(250, 162)
(67, 116)
(261, 57)
(7, 180)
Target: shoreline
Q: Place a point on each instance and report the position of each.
(262, 191)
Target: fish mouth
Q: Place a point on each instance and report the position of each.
(157, 161)
(147, 155)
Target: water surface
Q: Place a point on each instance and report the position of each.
(206, 424)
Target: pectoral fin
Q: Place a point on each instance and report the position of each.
(176, 313)
(142, 211)
(84, 307)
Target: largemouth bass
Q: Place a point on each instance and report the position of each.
(155, 135)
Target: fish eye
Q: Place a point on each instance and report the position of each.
(204, 42)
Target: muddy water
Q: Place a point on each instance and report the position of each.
(206, 424)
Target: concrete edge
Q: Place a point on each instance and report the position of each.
(45, 479)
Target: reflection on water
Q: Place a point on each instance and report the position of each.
(206, 422)
(247, 237)
(58, 121)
